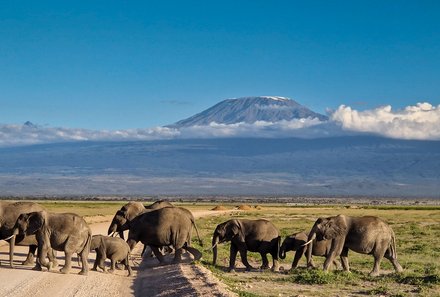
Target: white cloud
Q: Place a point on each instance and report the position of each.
(421, 121)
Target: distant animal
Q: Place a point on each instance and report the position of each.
(248, 235)
(296, 242)
(365, 235)
(168, 226)
(113, 248)
(66, 232)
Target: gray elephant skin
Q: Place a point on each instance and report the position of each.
(169, 226)
(365, 235)
(259, 236)
(128, 212)
(9, 212)
(113, 248)
(296, 242)
(66, 232)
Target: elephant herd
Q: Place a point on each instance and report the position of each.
(329, 237)
(162, 226)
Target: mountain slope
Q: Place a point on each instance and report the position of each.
(250, 110)
(339, 166)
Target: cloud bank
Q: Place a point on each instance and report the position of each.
(421, 121)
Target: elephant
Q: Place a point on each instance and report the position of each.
(248, 235)
(113, 248)
(168, 226)
(128, 212)
(9, 212)
(66, 232)
(365, 235)
(296, 241)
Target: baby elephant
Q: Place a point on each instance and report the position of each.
(113, 248)
(296, 242)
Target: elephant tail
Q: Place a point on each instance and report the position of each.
(393, 252)
(197, 232)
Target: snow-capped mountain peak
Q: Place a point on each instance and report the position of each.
(250, 110)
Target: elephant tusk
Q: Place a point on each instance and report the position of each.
(7, 238)
(212, 246)
(308, 242)
(113, 234)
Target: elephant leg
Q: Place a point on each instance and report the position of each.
(127, 265)
(265, 264)
(95, 265)
(197, 255)
(112, 265)
(232, 257)
(377, 259)
(52, 255)
(243, 255)
(344, 260)
(101, 264)
(298, 254)
(68, 262)
(393, 260)
(42, 254)
(275, 266)
(158, 255)
(178, 256)
(30, 259)
(336, 249)
(84, 263)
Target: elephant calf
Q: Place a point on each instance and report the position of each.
(248, 235)
(113, 248)
(296, 242)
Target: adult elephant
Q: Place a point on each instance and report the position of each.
(66, 232)
(365, 235)
(248, 235)
(169, 226)
(296, 242)
(128, 212)
(9, 212)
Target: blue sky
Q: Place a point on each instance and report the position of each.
(129, 64)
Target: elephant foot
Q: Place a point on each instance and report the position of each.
(83, 272)
(54, 265)
(120, 266)
(232, 270)
(374, 273)
(28, 261)
(94, 269)
(65, 270)
(264, 267)
(275, 268)
(111, 271)
(37, 268)
(249, 268)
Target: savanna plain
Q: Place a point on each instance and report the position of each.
(417, 229)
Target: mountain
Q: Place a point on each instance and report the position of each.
(336, 166)
(250, 110)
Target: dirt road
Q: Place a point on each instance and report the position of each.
(148, 279)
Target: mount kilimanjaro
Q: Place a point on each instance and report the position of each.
(250, 110)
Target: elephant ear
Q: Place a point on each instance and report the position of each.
(237, 230)
(334, 227)
(35, 222)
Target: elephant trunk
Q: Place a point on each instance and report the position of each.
(12, 247)
(282, 252)
(309, 245)
(112, 229)
(215, 241)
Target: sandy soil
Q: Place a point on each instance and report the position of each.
(148, 279)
